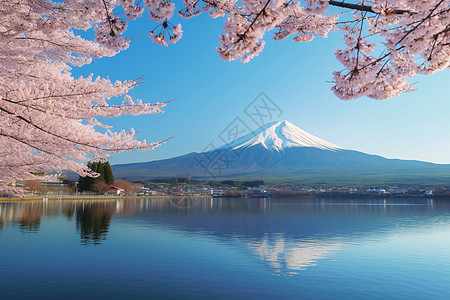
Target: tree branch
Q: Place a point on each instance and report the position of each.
(363, 7)
(242, 36)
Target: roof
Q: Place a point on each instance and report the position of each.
(117, 188)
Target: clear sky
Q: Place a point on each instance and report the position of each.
(211, 93)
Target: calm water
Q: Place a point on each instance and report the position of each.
(226, 249)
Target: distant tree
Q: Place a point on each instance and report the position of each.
(130, 188)
(212, 183)
(101, 187)
(228, 182)
(173, 181)
(108, 174)
(85, 182)
(35, 186)
(104, 175)
(181, 180)
(72, 185)
(100, 169)
(158, 180)
(254, 183)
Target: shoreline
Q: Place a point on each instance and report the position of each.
(83, 198)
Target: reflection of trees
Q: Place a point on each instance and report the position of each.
(69, 210)
(30, 217)
(27, 225)
(93, 220)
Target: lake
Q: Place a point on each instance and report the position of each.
(330, 248)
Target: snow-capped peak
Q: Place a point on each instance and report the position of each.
(279, 135)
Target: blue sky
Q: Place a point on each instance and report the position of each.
(211, 93)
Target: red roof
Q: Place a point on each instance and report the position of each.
(117, 188)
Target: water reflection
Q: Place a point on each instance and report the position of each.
(192, 248)
(93, 220)
(26, 215)
(30, 218)
(287, 235)
(288, 256)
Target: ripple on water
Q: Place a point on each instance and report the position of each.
(226, 248)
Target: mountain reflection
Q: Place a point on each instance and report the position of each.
(286, 235)
(288, 256)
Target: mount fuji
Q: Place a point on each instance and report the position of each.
(280, 152)
(279, 136)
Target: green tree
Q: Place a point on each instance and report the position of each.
(106, 176)
(72, 185)
(84, 183)
(173, 181)
(99, 168)
(108, 173)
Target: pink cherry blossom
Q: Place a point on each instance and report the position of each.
(49, 119)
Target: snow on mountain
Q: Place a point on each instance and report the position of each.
(285, 153)
(280, 135)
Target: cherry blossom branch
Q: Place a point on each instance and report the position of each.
(362, 7)
(421, 22)
(242, 36)
(359, 40)
(27, 144)
(49, 132)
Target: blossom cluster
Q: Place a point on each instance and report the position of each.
(159, 34)
(414, 35)
(416, 41)
(49, 120)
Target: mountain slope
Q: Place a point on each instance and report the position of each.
(279, 136)
(282, 152)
